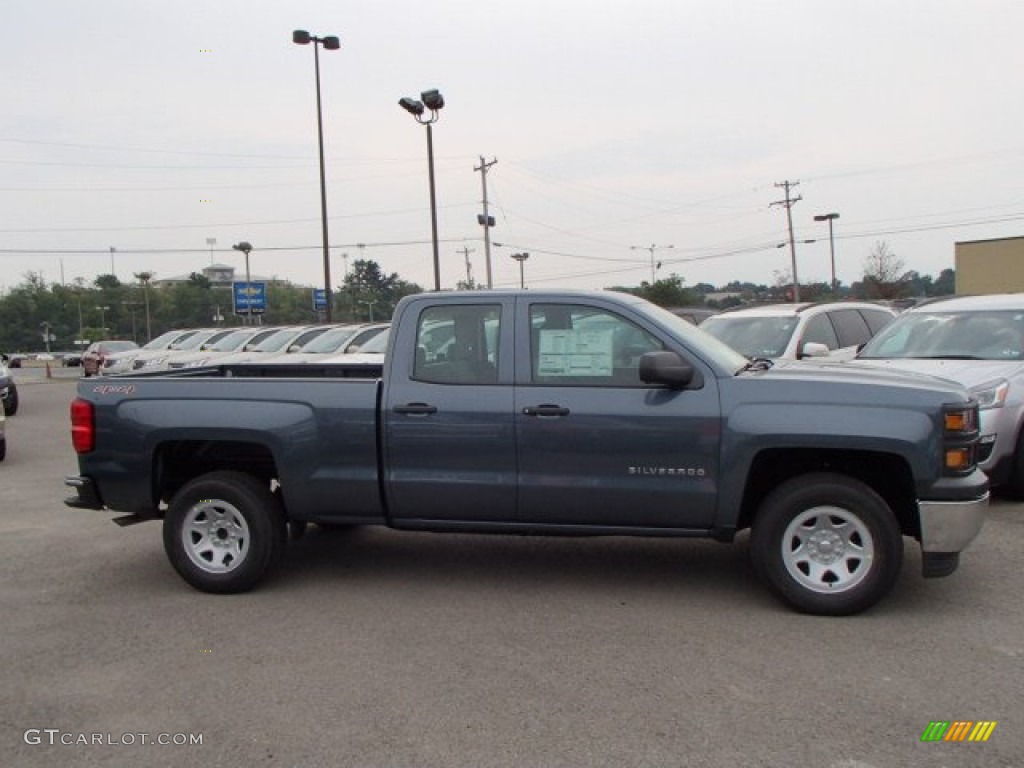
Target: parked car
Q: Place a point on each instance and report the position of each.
(795, 331)
(119, 362)
(157, 359)
(8, 388)
(342, 340)
(978, 342)
(71, 359)
(278, 342)
(232, 342)
(97, 352)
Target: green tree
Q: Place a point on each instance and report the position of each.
(367, 290)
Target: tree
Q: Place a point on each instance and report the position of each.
(884, 275)
(367, 292)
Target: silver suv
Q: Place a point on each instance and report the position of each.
(978, 342)
(796, 331)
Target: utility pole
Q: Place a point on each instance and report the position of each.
(469, 266)
(486, 221)
(789, 202)
(654, 265)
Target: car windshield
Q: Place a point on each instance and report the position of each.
(196, 341)
(163, 340)
(992, 335)
(276, 341)
(231, 342)
(378, 343)
(330, 341)
(118, 346)
(753, 336)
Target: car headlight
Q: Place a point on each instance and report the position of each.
(196, 363)
(991, 394)
(154, 362)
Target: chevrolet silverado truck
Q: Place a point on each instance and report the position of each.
(556, 413)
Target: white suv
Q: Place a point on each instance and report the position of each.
(978, 342)
(796, 331)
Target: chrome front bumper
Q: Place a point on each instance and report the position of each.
(949, 526)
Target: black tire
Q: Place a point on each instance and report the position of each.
(224, 531)
(3, 449)
(827, 544)
(11, 406)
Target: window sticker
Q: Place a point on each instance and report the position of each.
(575, 353)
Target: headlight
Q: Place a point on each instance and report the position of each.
(196, 363)
(154, 362)
(991, 394)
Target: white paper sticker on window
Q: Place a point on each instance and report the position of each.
(575, 353)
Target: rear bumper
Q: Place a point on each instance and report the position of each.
(87, 496)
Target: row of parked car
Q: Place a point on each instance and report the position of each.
(197, 347)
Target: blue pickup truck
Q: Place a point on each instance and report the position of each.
(544, 413)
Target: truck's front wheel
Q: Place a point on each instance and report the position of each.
(223, 531)
(827, 544)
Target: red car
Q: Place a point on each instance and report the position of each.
(93, 357)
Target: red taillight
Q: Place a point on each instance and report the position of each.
(83, 426)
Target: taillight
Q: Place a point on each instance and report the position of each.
(83, 426)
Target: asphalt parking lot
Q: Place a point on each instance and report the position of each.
(379, 648)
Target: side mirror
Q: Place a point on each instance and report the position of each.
(668, 369)
(815, 349)
(294, 348)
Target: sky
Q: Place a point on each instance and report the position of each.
(153, 127)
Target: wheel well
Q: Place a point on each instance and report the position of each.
(176, 462)
(887, 474)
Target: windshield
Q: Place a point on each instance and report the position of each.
(276, 341)
(993, 335)
(378, 343)
(753, 336)
(330, 341)
(163, 340)
(231, 342)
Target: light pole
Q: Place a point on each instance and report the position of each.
(103, 320)
(331, 43)
(433, 101)
(830, 217)
(369, 307)
(245, 247)
(112, 249)
(652, 248)
(521, 257)
(211, 241)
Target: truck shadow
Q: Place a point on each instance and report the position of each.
(387, 556)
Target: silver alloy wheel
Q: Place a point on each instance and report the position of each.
(215, 536)
(828, 549)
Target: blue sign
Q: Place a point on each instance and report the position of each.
(249, 298)
(319, 300)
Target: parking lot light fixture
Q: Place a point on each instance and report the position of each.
(245, 247)
(433, 102)
(830, 217)
(521, 258)
(330, 43)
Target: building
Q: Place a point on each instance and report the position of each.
(990, 266)
(220, 274)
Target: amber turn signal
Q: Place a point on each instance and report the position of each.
(958, 458)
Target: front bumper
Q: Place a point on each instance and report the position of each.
(949, 526)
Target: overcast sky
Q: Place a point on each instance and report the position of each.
(152, 126)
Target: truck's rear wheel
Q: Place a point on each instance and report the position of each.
(827, 544)
(223, 531)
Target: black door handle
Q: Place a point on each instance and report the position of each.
(545, 410)
(416, 409)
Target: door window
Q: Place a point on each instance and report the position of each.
(458, 344)
(585, 346)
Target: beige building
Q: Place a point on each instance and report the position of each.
(990, 266)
